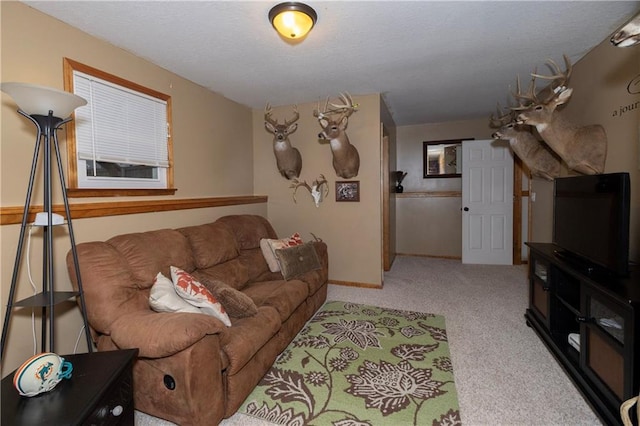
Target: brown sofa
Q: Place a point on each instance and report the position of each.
(191, 368)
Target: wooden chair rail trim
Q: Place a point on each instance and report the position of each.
(437, 194)
(13, 215)
(429, 194)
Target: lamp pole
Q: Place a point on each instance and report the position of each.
(47, 126)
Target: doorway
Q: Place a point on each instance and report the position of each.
(487, 202)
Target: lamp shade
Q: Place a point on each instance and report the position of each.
(39, 100)
(292, 20)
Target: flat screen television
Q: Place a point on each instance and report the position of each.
(591, 220)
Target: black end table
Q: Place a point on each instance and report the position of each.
(99, 392)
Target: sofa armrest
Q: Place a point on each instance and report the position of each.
(198, 393)
(318, 277)
(323, 253)
(161, 334)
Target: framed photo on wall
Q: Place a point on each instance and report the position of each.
(347, 190)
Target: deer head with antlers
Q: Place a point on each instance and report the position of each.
(583, 148)
(333, 120)
(536, 155)
(288, 158)
(316, 190)
(628, 35)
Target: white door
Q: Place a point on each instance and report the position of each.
(487, 202)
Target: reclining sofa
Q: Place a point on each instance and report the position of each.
(192, 369)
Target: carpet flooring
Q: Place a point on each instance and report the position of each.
(504, 375)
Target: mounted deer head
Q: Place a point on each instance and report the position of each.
(288, 158)
(628, 35)
(536, 155)
(583, 148)
(316, 191)
(334, 120)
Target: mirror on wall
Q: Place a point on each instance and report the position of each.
(442, 159)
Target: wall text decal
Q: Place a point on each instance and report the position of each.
(633, 88)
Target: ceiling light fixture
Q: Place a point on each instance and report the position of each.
(292, 20)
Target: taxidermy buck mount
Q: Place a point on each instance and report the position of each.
(628, 35)
(316, 190)
(288, 158)
(334, 120)
(536, 155)
(583, 148)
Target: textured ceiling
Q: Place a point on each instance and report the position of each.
(432, 61)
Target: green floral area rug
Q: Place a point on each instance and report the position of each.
(359, 365)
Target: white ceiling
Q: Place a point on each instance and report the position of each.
(432, 61)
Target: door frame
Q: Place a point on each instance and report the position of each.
(388, 249)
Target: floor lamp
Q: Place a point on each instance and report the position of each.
(44, 106)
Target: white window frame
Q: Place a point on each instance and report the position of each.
(145, 140)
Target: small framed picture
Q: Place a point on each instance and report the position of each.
(347, 190)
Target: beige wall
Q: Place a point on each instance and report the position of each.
(409, 155)
(352, 230)
(213, 153)
(600, 96)
(431, 226)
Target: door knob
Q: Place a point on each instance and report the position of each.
(466, 209)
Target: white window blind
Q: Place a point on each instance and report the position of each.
(119, 125)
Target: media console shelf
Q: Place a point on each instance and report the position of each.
(591, 324)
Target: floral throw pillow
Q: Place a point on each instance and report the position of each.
(197, 294)
(163, 297)
(269, 247)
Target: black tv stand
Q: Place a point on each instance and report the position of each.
(590, 322)
(580, 263)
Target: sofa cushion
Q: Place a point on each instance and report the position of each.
(163, 297)
(108, 284)
(231, 272)
(247, 336)
(248, 229)
(283, 296)
(192, 291)
(256, 266)
(148, 253)
(236, 303)
(212, 243)
(295, 261)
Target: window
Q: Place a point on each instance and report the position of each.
(121, 139)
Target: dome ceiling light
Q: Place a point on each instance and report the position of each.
(292, 20)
